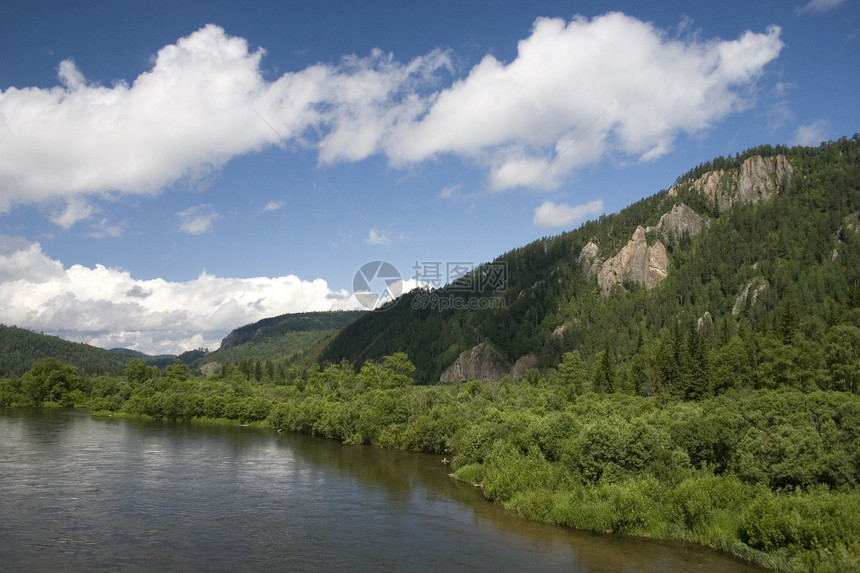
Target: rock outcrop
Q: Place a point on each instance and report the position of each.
(749, 294)
(527, 362)
(588, 261)
(475, 364)
(681, 221)
(757, 179)
(635, 262)
(240, 336)
(705, 322)
(479, 363)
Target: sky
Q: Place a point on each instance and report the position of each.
(170, 171)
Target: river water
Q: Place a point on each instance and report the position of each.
(80, 493)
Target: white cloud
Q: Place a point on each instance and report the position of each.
(551, 215)
(374, 237)
(811, 134)
(610, 83)
(819, 6)
(198, 219)
(110, 308)
(273, 205)
(576, 91)
(183, 118)
(76, 210)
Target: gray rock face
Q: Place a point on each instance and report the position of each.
(588, 261)
(479, 364)
(680, 221)
(761, 178)
(758, 179)
(637, 262)
(705, 322)
(475, 364)
(749, 294)
(526, 362)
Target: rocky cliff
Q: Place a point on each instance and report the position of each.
(749, 294)
(636, 262)
(679, 222)
(475, 364)
(481, 363)
(757, 179)
(588, 260)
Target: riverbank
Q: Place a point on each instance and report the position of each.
(770, 476)
(532, 462)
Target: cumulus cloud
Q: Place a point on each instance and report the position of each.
(273, 206)
(110, 308)
(811, 134)
(198, 219)
(579, 89)
(550, 215)
(576, 91)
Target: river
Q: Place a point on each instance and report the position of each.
(81, 493)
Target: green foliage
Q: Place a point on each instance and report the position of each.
(22, 348)
(817, 530)
(281, 337)
(51, 381)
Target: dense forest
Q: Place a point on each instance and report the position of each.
(20, 348)
(683, 411)
(284, 339)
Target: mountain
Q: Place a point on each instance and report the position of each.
(765, 241)
(280, 337)
(21, 348)
(192, 358)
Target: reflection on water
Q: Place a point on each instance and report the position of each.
(102, 493)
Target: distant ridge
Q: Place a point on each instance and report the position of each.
(21, 348)
(282, 337)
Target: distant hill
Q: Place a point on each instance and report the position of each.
(767, 240)
(296, 336)
(21, 348)
(287, 336)
(193, 358)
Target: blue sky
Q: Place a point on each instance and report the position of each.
(170, 171)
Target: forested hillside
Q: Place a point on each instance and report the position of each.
(21, 348)
(280, 339)
(765, 293)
